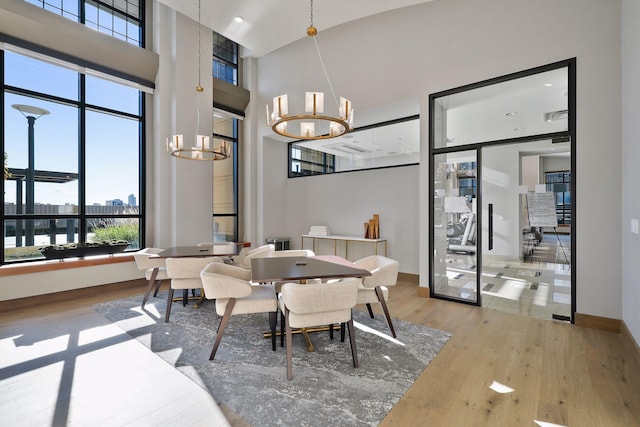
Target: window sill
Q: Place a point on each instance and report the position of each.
(67, 263)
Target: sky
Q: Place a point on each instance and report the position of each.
(111, 141)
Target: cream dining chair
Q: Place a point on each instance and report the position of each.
(234, 293)
(185, 274)
(374, 288)
(318, 304)
(154, 269)
(243, 259)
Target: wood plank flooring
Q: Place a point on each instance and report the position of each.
(560, 374)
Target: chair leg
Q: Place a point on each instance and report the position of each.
(169, 301)
(331, 331)
(383, 303)
(289, 349)
(158, 284)
(370, 310)
(222, 326)
(282, 322)
(342, 332)
(185, 297)
(352, 341)
(273, 317)
(152, 279)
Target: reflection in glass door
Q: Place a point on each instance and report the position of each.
(526, 240)
(454, 263)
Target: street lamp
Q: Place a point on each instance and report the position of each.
(32, 114)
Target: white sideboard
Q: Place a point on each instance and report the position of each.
(341, 245)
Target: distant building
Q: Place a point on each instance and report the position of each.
(132, 200)
(114, 202)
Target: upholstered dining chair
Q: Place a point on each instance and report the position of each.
(318, 304)
(374, 288)
(185, 274)
(154, 269)
(243, 259)
(234, 293)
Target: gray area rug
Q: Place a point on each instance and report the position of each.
(250, 379)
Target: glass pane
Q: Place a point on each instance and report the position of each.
(55, 151)
(101, 229)
(224, 185)
(39, 76)
(112, 159)
(224, 229)
(104, 93)
(497, 112)
(454, 262)
(386, 145)
(524, 269)
(47, 232)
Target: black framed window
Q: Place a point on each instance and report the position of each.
(392, 143)
(305, 161)
(225, 59)
(225, 179)
(73, 149)
(560, 184)
(122, 19)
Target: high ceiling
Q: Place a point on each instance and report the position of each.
(269, 25)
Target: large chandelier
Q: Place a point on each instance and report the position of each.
(281, 122)
(203, 148)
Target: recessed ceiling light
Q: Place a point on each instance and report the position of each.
(238, 19)
(548, 84)
(517, 129)
(510, 114)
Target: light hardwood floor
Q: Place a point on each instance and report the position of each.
(560, 374)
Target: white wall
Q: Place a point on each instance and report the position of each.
(182, 197)
(343, 202)
(399, 57)
(27, 285)
(630, 158)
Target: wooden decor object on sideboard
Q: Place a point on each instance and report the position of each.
(372, 227)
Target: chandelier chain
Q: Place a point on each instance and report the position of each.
(326, 74)
(199, 45)
(311, 13)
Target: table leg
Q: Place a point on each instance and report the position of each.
(305, 334)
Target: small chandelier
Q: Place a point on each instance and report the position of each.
(203, 148)
(279, 119)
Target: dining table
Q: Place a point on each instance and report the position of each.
(300, 269)
(227, 250)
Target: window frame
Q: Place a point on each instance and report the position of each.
(81, 217)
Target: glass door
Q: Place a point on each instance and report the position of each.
(502, 175)
(526, 239)
(455, 260)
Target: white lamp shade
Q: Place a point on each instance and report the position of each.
(307, 129)
(282, 127)
(281, 105)
(345, 108)
(178, 142)
(202, 142)
(314, 102)
(335, 128)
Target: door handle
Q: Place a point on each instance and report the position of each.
(490, 226)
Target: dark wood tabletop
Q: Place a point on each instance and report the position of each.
(282, 269)
(200, 251)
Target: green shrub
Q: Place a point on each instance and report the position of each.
(128, 231)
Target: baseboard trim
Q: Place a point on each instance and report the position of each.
(631, 343)
(409, 277)
(597, 322)
(27, 302)
(423, 292)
